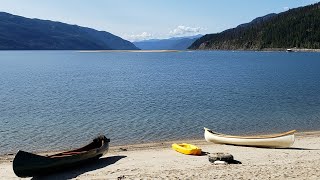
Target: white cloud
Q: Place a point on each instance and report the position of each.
(182, 30)
(286, 8)
(178, 31)
(138, 37)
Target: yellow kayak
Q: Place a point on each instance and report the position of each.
(187, 149)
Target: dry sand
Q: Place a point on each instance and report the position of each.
(158, 161)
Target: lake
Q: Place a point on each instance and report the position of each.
(53, 100)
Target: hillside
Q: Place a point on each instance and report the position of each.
(177, 43)
(20, 33)
(297, 27)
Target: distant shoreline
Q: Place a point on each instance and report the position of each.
(293, 49)
(188, 50)
(134, 51)
(166, 51)
(263, 50)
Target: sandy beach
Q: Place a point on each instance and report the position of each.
(159, 161)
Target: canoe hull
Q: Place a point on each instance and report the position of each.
(273, 142)
(26, 164)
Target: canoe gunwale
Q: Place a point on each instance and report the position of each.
(98, 143)
(251, 137)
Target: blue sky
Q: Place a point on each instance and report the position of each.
(147, 19)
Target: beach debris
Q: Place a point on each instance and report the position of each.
(123, 149)
(220, 163)
(222, 158)
(121, 177)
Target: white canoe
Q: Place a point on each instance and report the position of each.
(282, 140)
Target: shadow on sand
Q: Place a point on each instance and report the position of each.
(78, 170)
(203, 153)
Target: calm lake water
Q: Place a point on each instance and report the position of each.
(53, 100)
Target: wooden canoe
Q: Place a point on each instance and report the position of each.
(282, 140)
(26, 164)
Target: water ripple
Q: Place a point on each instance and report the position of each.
(58, 100)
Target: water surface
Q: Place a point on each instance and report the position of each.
(52, 100)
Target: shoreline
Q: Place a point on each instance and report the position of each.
(146, 146)
(188, 50)
(159, 161)
(263, 50)
(133, 51)
(292, 50)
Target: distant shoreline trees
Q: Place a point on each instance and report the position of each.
(299, 27)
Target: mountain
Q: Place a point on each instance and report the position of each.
(176, 43)
(20, 33)
(297, 27)
(259, 20)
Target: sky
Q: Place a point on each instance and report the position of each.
(136, 20)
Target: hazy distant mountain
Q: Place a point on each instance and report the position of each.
(20, 33)
(297, 27)
(176, 43)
